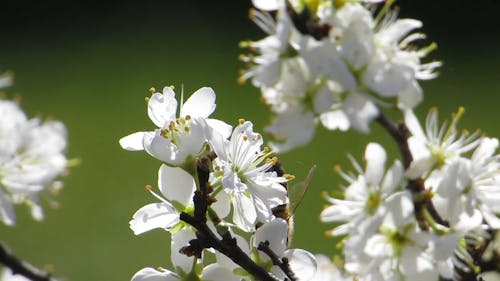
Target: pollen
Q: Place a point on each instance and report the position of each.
(289, 177)
(337, 168)
(328, 233)
(217, 168)
(188, 117)
(245, 138)
(251, 13)
(240, 80)
(152, 90)
(241, 121)
(324, 194)
(187, 129)
(266, 149)
(148, 187)
(146, 99)
(171, 126)
(164, 133)
(273, 160)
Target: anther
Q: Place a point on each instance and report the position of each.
(188, 117)
(289, 177)
(148, 187)
(164, 133)
(152, 90)
(241, 121)
(337, 168)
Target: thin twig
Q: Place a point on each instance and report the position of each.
(18, 266)
(281, 263)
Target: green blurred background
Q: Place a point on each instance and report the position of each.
(90, 64)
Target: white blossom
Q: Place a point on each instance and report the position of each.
(367, 192)
(177, 138)
(31, 159)
(435, 145)
(241, 171)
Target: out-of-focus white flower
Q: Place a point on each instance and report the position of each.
(241, 170)
(367, 192)
(392, 248)
(436, 145)
(273, 51)
(327, 271)
(31, 158)
(371, 59)
(5, 80)
(7, 275)
(302, 263)
(177, 138)
(468, 190)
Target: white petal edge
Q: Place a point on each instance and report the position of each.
(133, 142)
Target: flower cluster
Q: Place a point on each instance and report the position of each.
(433, 215)
(333, 62)
(458, 173)
(31, 159)
(207, 162)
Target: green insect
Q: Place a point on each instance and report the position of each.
(296, 193)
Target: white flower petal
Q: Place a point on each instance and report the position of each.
(266, 5)
(150, 274)
(360, 111)
(302, 263)
(276, 232)
(200, 104)
(375, 157)
(244, 214)
(155, 215)
(215, 272)
(181, 239)
(220, 126)
(223, 205)
(6, 210)
(133, 142)
(176, 184)
(162, 108)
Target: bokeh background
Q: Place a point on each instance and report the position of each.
(90, 64)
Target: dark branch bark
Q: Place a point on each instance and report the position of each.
(21, 267)
(399, 132)
(281, 263)
(206, 238)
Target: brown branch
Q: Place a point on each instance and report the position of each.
(206, 238)
(18, 266)
(400, 134)
(282, 263)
